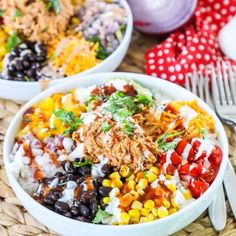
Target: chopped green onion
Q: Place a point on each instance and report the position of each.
(105, 127)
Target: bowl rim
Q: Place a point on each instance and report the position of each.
(125, 41)
(66, 86)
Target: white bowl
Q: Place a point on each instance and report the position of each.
(24, 91)
(70, 227)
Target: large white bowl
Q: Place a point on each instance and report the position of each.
(24, 91)
(70, 227)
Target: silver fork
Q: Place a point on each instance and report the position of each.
(198, 84)
(224, 96)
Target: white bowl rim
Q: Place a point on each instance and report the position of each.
(65, 85)
(128, 33)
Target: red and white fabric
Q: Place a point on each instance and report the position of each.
(195, 44)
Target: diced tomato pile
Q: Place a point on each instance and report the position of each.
(197, 163)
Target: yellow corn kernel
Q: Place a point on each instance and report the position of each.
(154, 211)
(124, 171)
(166, 203)
(162, 212)
(151, 177)
(116, 183)
(151, 217)
(142, 184)
(131, 184)
(137, 205)
(106, 200)
(168, 177)
(174, 203)
(114, 175)
(170, 186)
(140, 192)
(144, 212)
(106, 183)
(131, 177)
(124, 217)
(134, 213)
(154, 170)
(143, 219)
(134, 194)
(149, 204)
(134, 220)
(187, 194)
(75, 20)
(172, 210)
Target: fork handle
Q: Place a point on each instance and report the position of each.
(217, 210)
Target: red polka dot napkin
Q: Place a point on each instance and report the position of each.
(195, 44)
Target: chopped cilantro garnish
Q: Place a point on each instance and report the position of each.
(55, 5)
(1, 12)
(105, 127)
(101, 215)
(163, 142)
(102, 54)
(143, 99)
(204, 133)
(82, 163)
(13, 41)
(69, 118)
(17, 14)
(128, 127)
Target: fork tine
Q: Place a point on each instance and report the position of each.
(226, 83)
(200, 82)
(222, 95)
(194, 79)
(215, 89)
(232, 82)
(187, 81)
(208, 98)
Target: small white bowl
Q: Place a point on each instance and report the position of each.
(70, 227)
(24, 91)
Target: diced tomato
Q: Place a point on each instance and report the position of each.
(163, 158)
(195, 145)
(189, 169)
(210, 174)
(170, 170)
(182, 144)
(197, 187)
(216, 156)
(175, 158)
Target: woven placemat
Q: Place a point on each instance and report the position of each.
(14, 219)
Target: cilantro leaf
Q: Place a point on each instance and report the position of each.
(203, 132)
(163, 142)
(13, 41)
(17, 14)
(100, 216)
(102, 54)
(55, 5)
(69, 118)
(128, 127)
(143, 99)
(82, 163)
(105, 127)
(1, 12)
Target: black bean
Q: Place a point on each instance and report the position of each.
(104, 191)
(30, 73)
(74, 211)
(59, 174)
(67, 214)
(88, 196)
(40, 58)
(84, 210)
(106, 169)
(55, 195)
(18, 65)
(100, 180)
(80, 218)
(85, 170)
(71, 177)
(12, 66)
(94, 207)
(48, 200)
(61, 206)
(26, 64)
(19, 75)
(32, 57)
(36, 65)
(67, 166)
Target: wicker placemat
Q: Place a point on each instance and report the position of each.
(15, 221)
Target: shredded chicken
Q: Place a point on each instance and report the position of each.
(35, 22)
(138, 151)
